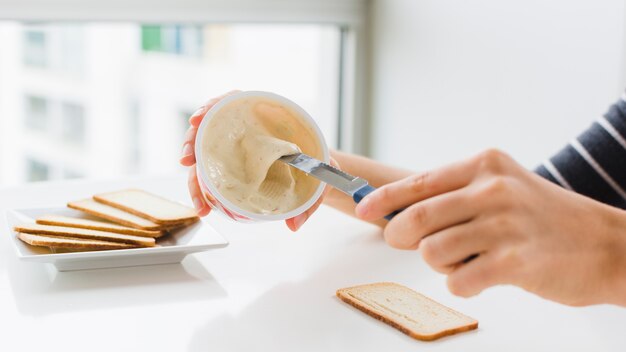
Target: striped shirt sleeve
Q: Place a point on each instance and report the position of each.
(594, 163)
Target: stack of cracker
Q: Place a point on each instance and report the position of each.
(129, 219)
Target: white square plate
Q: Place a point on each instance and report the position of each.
(171, 248)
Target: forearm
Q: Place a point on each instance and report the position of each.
(594, 165)
(377, 174)
(615, 247)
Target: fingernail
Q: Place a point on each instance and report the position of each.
(199, 111)
(362, 208)
(197, 203)
(299, 220)
(187, 150)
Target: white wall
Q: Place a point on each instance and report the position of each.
(452, 77)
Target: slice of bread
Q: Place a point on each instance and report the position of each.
(72, 232)
(406, 310)
(115, 215)
(175, 227)
(147, 205)
(70, 243)
(59, 220)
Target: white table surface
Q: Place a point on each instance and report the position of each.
(270, 289)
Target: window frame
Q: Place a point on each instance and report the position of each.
(351, 16)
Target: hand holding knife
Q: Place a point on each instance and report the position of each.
(355, 187)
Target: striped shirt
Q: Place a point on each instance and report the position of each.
(594, 164)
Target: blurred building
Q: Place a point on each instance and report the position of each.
(102, 100)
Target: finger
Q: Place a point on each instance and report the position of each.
(400, 194)
(446, 249)
(202, 208)
(296, 222)
(434, 214)
(188, 156)
(472, 278)
(197, 116)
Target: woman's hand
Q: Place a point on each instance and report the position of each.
(526, 231)
(188, 158)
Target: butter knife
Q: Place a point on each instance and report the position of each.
(355, 187)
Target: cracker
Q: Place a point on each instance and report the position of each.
(78, 233)
(149, 206)
(70, 243)
(67, 221)
(406, 310)
(115, 215)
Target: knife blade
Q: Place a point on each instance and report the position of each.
(355, 187)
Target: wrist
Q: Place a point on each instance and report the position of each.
(615, 233)
(334, 197)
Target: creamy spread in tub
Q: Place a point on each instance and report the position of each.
(240, 148)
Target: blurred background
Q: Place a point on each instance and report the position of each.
(94, 89)
(108, 99)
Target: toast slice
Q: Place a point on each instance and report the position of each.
(149, 206)
(72, 232)
(70, 243)
(67, 221)
(406, 310)
(115, 215)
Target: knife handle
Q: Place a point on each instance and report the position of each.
(363, 191)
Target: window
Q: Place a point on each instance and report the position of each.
(176, 39)
(36, 113)
(35, 48)
(69, 174)
(116, 81)
(69, 52)
(58, 47)
(73, 123)
(37, 171)
(131, 87)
